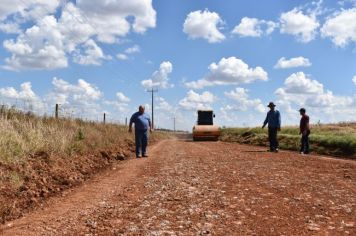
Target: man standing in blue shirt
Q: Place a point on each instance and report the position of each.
(142, 123)
(273, 119)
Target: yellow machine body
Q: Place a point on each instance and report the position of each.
(205, 128)
(206, 132)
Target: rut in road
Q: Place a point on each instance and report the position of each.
(190, 188)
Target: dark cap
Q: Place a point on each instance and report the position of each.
(271, 104)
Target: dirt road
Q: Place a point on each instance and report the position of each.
(201, 188)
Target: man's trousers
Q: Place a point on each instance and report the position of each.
(141, 139)
(272, 137)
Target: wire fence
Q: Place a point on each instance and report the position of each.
(91, 112)
(39, 108)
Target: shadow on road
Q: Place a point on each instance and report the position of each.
(254, 151)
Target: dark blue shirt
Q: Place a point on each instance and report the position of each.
(273, 119)
(141, 121)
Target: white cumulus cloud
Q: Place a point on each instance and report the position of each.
(122, 97)
(92, 55)
(204, 24)
(341, 27)
(299, 83)
(80, 100)
(301, 91)
(25, 92)
(81, 93)
(242, 101)
(133, 49)
(120, 103)
(40, 47)
(354, 79)
(230, 70)
(110, 17)
(284, 63)
(25, 97)
(29, 9)
(253, 27)
(328, 99)
(163, 105)
(52, 38)
(194, 101)
(10, 28)
(301, 25)
(159, 78)
(122, 56)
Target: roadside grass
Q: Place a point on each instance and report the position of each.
(24, 134)
(331, 139)
(42, 156)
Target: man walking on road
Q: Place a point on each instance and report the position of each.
(273, 119)
(142, 123)
(304, 130)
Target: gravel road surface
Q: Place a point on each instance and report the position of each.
(205, 188)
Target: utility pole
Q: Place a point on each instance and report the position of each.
(56, 111)
(152, 91)
(174, 124)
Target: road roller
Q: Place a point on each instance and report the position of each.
(205, 128)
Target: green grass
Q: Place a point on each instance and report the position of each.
(333, 139)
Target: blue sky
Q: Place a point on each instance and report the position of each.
(231, 56)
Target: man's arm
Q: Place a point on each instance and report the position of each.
(279, 120)
(130, 125)
(265, 122)
(150, 124)
(301, 126)
(306, 128)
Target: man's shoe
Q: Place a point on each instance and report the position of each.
(138, 156)
(144, 155)
(276, 150)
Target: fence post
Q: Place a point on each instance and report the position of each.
(104, 120)
(56, 111)
(126, 121)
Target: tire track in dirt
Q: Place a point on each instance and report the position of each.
(201, 188)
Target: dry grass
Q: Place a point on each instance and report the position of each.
(331, 139)
(24, 134)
